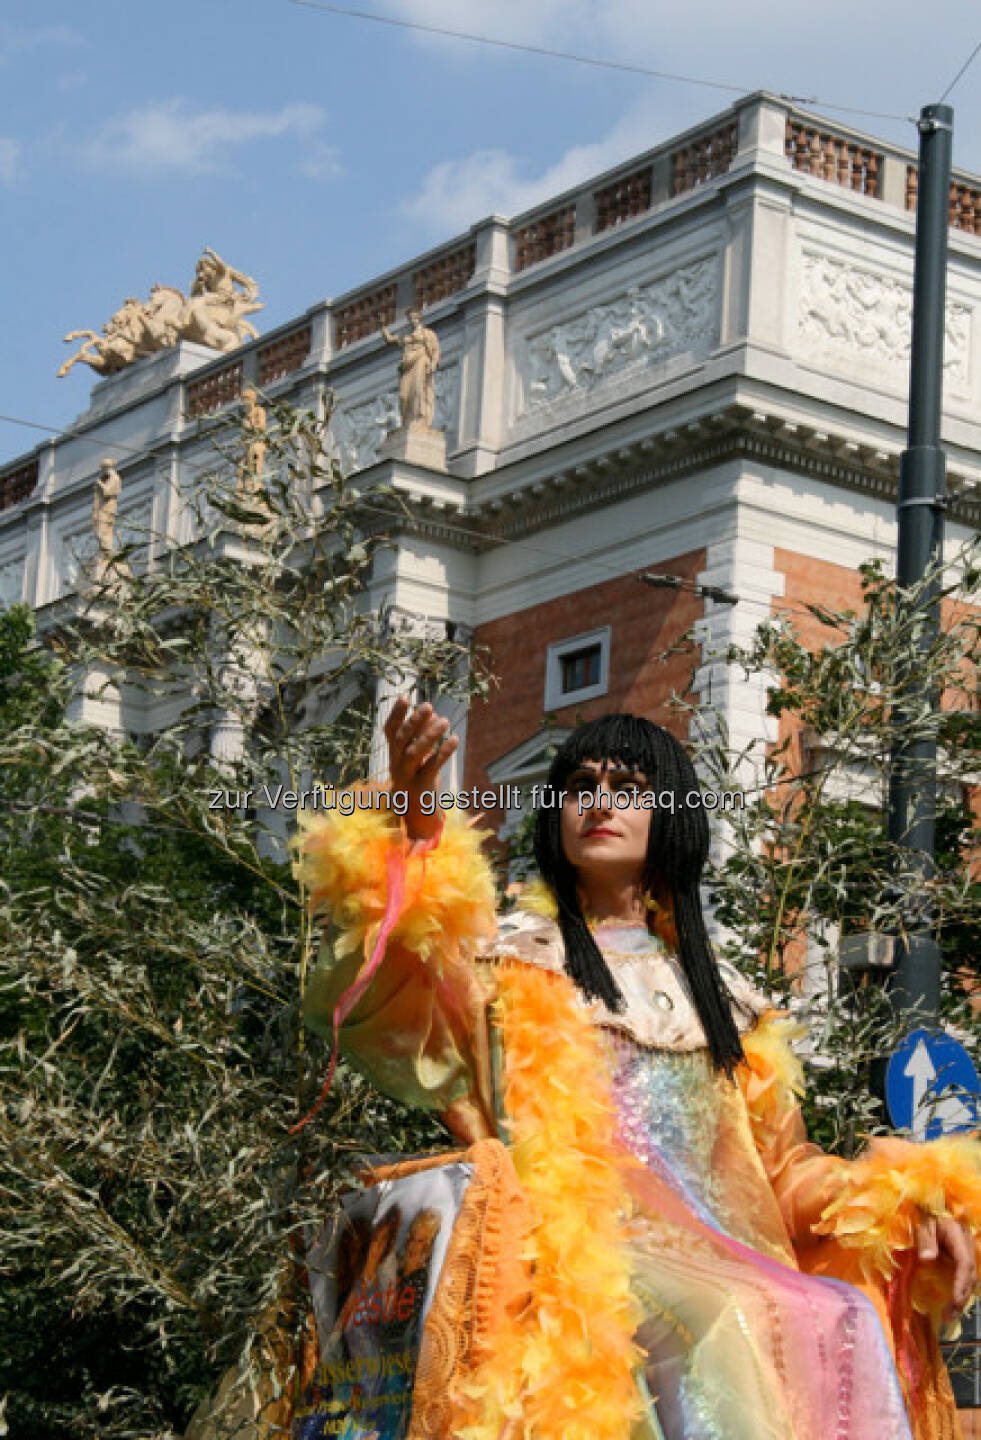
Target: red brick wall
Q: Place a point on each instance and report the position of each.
(810, 581)
(837, 587)
(644, 622)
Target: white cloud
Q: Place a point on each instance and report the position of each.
(174, 135)
(16, 41)
(455, 193)
(9, 159)
(321, 162)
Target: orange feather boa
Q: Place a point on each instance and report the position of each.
(564, 1368)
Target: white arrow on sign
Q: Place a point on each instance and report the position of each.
(950, 1112)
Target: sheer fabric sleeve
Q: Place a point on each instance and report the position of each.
(403, 917)
(870, 1207)
(804, 1179)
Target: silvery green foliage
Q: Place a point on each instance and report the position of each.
(153, 951)
(807, 859)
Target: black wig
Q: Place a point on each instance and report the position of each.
(677, 848)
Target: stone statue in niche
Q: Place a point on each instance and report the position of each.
(105, 504)
(214, 314)
(416, 440)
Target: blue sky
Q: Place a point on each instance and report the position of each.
(314, 151)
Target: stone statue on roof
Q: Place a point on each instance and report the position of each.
(106, 569)
(213, 314)
(417, 371)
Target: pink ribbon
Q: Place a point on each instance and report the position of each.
(395, 869)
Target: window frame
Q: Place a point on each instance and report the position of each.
(555, 698)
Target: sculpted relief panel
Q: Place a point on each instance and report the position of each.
(615, 340)
(862, 319)
(11, 582)
(358, 430)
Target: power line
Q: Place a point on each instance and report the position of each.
(516, 45)
(961, 71)
(562, 556)
(464, 531)
(596, 61)
(71, 434)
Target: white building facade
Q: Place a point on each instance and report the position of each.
(696, 364)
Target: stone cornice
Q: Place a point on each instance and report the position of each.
(737, 432)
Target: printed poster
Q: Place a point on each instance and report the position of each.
(373, 1272)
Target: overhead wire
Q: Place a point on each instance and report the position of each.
(459, 707)
(962, 71)
(608, 570)
(596, 61)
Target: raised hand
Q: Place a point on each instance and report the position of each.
(418, 748)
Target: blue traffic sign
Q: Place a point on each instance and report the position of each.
(932, 1087)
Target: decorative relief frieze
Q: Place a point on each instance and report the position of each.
(862, 319)
(619, 339)
(447, 416)
(78, 548)
(358, 430)
(11, 582)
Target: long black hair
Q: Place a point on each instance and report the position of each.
(677, 848)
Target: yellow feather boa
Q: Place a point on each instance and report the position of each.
(887, 1192)
(563, 1369)
(341, 861)
(771, 1076)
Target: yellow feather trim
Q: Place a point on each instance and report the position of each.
(563, 1369)
(537, 897)
(771, 1077)
(341, 861)
(890, 1189)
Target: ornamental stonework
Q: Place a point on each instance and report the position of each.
(212, 314)
(620, 339)
(860, 320)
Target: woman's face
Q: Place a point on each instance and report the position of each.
(604, 826)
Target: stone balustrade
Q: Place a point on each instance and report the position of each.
(445, 276)
(283, 356)
(17, 483)
(213, 390)
(705, 158)
(545, 236)
(834, 157)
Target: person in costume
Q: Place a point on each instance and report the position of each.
(652, 1248)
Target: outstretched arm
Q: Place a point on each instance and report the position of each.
(899, 1203)
(402, 912)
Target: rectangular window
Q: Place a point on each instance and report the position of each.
(580, 668)
(577, 668)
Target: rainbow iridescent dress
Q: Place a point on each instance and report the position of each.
(636, 1268)
(739, 1346)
